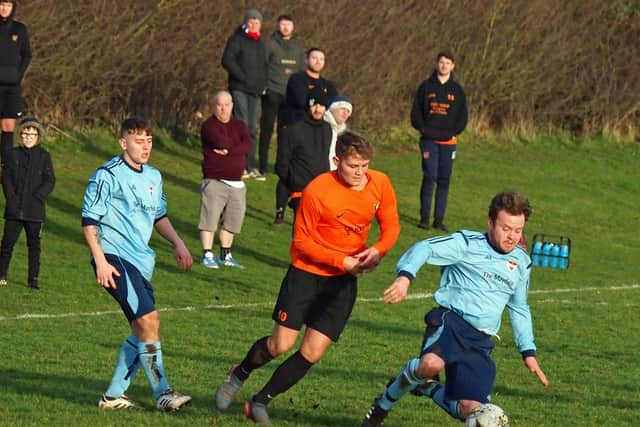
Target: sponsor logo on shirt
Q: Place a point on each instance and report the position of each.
(512, 265)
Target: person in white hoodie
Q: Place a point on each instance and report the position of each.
(337, 115)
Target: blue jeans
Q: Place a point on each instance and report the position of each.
(437, 165)
(246, 107)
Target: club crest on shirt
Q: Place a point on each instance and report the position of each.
(14, 38)
(512, 265)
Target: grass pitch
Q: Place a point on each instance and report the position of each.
(60, 344)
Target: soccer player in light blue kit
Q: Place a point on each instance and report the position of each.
(123, 203)
(481, 274)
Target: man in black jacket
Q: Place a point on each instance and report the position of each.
(299, 86)
(303, 150)
(28, 180)
(244, 58)
(439, 113)
(285, 56)
(15, 56)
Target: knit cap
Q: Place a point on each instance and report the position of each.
(31, 122)
(317, 96)
(252, 14)
(341, 101)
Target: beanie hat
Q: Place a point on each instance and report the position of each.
(252, 14)
(341, 101)
(317, 96)
(31, 122)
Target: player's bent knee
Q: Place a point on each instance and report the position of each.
(430, 365)
(279, 345)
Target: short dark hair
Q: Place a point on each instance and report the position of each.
(134, 125)
(313, 49)
(285, 17)
(447, 54)
(511, 201)
(350, 143)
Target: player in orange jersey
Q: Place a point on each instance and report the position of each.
(328, 254)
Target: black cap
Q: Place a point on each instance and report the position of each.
(317, 95)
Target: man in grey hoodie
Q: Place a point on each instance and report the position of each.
(285, 56)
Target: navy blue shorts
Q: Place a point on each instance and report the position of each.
(133, 292)
(323, 303)
(466, 351)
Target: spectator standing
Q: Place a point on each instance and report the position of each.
(245, 60)
(28, 180)
(337, 115)
(15, 57)
(297, 95)
(285, 56)
(225, 143)
(439, 113)
(303, 150)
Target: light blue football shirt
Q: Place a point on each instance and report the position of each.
(125, 203)
(477, 281)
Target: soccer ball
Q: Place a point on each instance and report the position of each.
(487, 415)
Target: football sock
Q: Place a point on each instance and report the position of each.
(406, 381)
(257, 356)
(450, 406)
(285, 376)
(126, 367)
(224, 252)
(151, 359)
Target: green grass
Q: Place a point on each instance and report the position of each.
(55, 368)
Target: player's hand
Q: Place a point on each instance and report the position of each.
(183, 256)
(352, 265)
(397, 291)
(221, 151)
(105, 273)
(532, 364)
(368, 259)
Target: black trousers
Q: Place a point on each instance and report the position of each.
(271, 104)
(12, 230)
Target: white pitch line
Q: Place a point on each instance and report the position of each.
(418, 296)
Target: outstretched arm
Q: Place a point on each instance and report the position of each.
(166, 230)
(397, 291)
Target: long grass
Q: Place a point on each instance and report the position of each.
(59, 345)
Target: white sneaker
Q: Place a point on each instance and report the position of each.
(121, 402)
(230, 261)
(246, 174)
(257, 175)
(171, 401)
(209, 260)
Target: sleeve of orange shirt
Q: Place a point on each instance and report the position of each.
(387, 216)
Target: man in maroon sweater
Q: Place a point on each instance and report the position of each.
(225, 144)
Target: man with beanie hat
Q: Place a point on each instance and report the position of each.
(15, 56)
(303, 150)
(337, 115)
(27, 182)
(244, 58)
(297, 92)
(285, 56)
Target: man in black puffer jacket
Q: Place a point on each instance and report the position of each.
(303, 151)
(27, 182)
(245, 60)
(15, 56)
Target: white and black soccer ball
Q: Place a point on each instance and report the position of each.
(487, 415)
